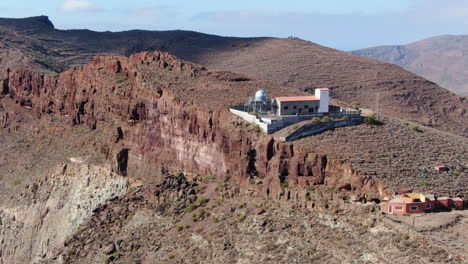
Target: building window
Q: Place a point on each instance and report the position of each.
(414, 208)
(398, 208)
(311, 110)
(285, 108)
(316, 108)
(306, 106)
(294, 107)
(428, 206)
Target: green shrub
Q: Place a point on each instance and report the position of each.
(16, 182)
(346, 117)
(198, 216)
(405, 236)
(190, 208)
(316, 119)
(202, 201)
(257, 128)
(226, 179)
(208, 178)
(179, 228)
(372, 120)
(284, 184)
(215, 220)
(426, 182)
(326, 119)
(296, 126)
(252, 180)
(356, 105)
(416, 128)
(241, 218)
(169, 68)
(330, 190)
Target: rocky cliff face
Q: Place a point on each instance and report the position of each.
(60, 201)
(157, 127)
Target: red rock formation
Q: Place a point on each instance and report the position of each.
(157, 131)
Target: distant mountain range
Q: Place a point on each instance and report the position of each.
(442, 59)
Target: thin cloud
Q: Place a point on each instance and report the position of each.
(79, 6)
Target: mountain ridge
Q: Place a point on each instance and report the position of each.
(291, 62)
(442, 59)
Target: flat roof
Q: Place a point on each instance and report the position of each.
(297, 98)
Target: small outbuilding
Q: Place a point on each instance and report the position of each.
(441, 168)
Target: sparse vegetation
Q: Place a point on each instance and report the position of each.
(316, 119)
(284, 184)
(356, 105)
(426, 182)
(199, 216)
(208, 178)
(16, 182)
(295, 126)
(345, 117)
(252, 180)
(416, 128)
(241, 218)
(326, 119)
(257, 128)
(372, 120)
(199, 203)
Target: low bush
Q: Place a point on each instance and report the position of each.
(316, 119)
(326, 119)
(416, 128)
(372, 120)
(356, 105)
(241, 218)
(16, 181)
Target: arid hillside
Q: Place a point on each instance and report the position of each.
(132, 151)
(36, 44)
(441, 59)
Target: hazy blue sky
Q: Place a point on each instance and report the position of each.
(342, 24)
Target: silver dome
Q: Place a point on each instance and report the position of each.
(260, 96)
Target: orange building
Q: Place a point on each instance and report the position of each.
(416, 203)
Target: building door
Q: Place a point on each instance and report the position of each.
(390, 209)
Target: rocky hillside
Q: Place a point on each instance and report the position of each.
(36, 44)
(441, 59)
(100, 145)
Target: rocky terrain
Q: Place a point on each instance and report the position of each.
(441, 59)
(91, 153)
(35, 43)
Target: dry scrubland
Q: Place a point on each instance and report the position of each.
(400, 153)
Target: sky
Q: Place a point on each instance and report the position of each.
(340, 24)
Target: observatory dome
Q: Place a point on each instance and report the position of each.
(260, 96)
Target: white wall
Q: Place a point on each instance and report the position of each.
(324, 96)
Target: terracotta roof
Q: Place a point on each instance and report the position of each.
(297, 98)
(323, 89)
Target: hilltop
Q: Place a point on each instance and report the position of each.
(441, 59)
(125, 152)
(36, 44)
